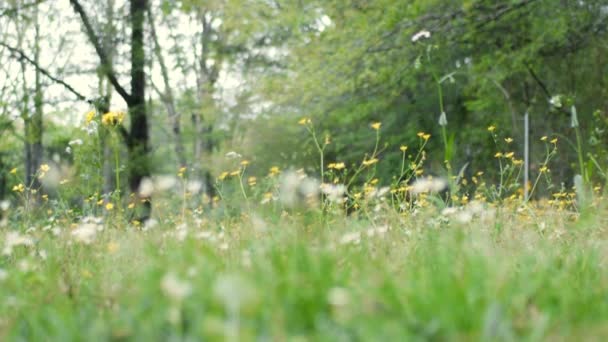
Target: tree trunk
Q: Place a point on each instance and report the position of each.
(138, 164)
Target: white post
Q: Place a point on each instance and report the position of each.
(526, 155)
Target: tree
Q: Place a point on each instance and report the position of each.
(137, 138)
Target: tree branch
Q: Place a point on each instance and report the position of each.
(20, 55)
(105, 61)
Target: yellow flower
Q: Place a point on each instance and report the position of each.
(369, 162)
(13, 171)
(274, 171)
(544, 169)
(235, 173)
(100, 202)
(336, 166)
(131, 205)
(245, 162)
(498, 155)
(403, 148)
(492, 128)
(109, 206)
(543, 138)
(90, 116)
(517, 162)
(426, 136)
(509, 140)
(509, 155)
(553, 141)
(19, 187)
(376, 125)
(252, 181)
(304, 121)
(112, 118)
(420, 134)
(223, 175)
(44, 168)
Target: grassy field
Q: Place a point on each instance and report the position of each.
(476, 272)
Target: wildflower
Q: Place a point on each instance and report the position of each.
(223, 175)
(267, 198)
(245, 162)
(86, 232)
(338, 297)
(194, 186)
(232, 155)
(426, 137)
(491, 128)
(543, 169)
(369, 162)
(334, 193)
(181, 171)
(498, 155)
(336, 166)
(376, 125)
(428, 184)
(274, 171)
(350, 238)
(44, 168)
(420, 35)
(509, 140)
(573, 118)
(443, 120)
(112, 118)
(403, 148)
(553, 141)
(146, 187)
(14, 239)
(19, 188)
(109, 206)
(543, 138)
(131, 205)
(75, 142)
(517, 162)
(175, 288)
(89, 117)
(4, 205)
(235, 173)
(556, 101)
(509, 155)
(252, 181)
(13, 171)
(304, 121)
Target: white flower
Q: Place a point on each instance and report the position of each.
(68, 150)
(428, 184)
(232, 155)
(175, 288)
(334, 193)
(85, 233)
(351, 238)
(422, 34)
(14, 239)
(338, 296)
(556, 101)
(75, 142)
(194, 186)
(4, 205)
(3, 274)
(164, 183)
(146, 187)
(443, 120)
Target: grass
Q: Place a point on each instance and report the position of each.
(279, 259)
(515, 273)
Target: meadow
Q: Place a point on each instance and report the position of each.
(291, 256)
